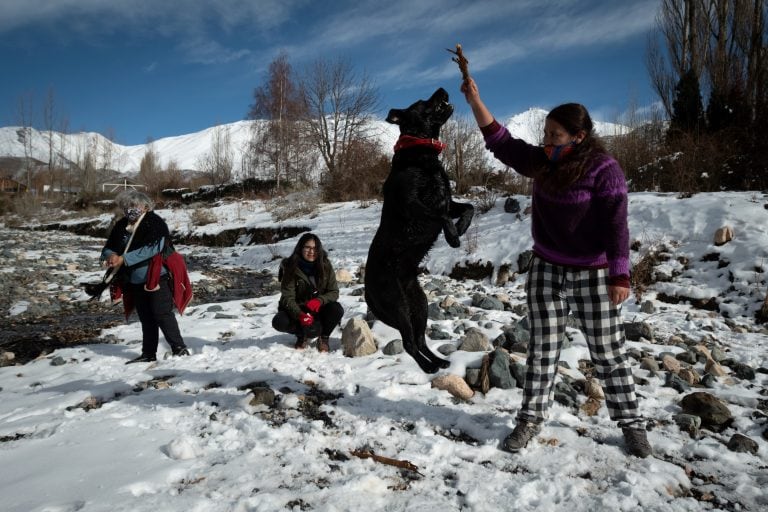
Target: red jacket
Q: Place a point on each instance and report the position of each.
(180, 283)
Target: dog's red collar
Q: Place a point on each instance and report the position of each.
(408, 141)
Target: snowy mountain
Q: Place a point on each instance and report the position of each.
(529, 126)
(186, 150)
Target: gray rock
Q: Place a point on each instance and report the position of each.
(714, 414)
(475, 340)
(435, 333)
(473, 377)
(357, 339)
(650, 364)
(740, 370)
(742, 444)
(447, 349)
(58, 361)
(487, 302)
(524, 261)
(517, 333)
(676, 383)
(718, 354)
(709, 381)
(499, 373)
(512, 205)
(435, 312)
(688, 423)
(687, 357)
(393, 348)
(457, 310)
(565, 394)
(262, 396)
(518, 372)
(636, 330)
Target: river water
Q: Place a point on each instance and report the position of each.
(41, 299)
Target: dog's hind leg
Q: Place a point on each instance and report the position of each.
(418, 319)
(391, 305)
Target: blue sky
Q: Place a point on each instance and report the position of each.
(141, 69)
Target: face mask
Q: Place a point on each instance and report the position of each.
(555, 153)
(132, 214)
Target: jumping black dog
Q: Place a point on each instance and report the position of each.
(417, 207)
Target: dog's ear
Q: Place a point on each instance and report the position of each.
(394, 116)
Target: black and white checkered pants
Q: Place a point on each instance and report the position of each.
(552, 291)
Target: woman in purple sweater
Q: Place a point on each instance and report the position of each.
(580, 264)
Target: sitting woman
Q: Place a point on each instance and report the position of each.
(309, 294)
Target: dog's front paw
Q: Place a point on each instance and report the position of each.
(450, 233)
(462, 225)
(464, 221)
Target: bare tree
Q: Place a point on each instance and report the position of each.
(172, 177)
(217, 163)
(722, 41)
(277, 144)
(149, 169)
(84, 163)
(25, 114)
(757, 58)
(464, 157)
(682, 26)
(107, 152)
(49, 119)
(337, 105)
(63, 162)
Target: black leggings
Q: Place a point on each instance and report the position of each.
(326, 320)
(155, 310)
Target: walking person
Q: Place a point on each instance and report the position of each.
(140, 245)
(309, 295)
(580, 263)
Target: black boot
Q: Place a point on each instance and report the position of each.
(142, 359)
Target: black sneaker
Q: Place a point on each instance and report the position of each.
(523, 432)
(636, 441)
(181, 352)
(142, 359)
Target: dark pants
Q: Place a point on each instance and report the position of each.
(155, 310)
(326, 320)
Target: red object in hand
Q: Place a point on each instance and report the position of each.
(314, 305)
(306, 319)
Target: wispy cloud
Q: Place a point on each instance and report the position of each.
(206, 51)
(198, 27)
(497, 32)
(150, 68)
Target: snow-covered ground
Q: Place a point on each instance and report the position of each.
(80, 430)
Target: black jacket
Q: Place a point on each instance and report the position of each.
(295, 292)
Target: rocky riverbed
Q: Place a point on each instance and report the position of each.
(42, 303)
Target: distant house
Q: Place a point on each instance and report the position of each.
(11, 186)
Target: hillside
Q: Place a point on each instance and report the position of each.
(187, 149)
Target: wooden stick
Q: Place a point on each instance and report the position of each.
(404, 464)
(461, 60)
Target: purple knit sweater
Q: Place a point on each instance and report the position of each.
(586, 225)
